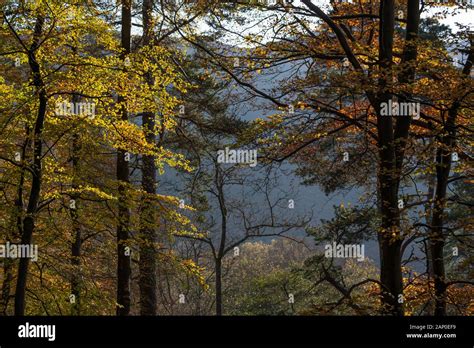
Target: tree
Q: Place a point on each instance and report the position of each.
(63, 97)
(380, 48)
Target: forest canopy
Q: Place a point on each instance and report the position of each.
(236, 157)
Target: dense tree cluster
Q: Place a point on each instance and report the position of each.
(132, 159)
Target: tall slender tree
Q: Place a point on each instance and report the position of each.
(148, 228)
(35, 191)
(124, 269)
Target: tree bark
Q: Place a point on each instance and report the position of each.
(76, 233)
(148, 253)
(443, 167)
(218, 267)
(389, 238)
(437, 238)
(219, 181)
(147, 265)
(123, 178)
(17, 221)
(34, 196)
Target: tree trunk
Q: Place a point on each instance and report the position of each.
(148, 298)
(431, 182)
(437, 238)
(147, 264)
(123, 178)
(31, 210)
(218, 286)
(219, 182)
(443, 168)
(17, 221)
(389, 238)
(77, 233)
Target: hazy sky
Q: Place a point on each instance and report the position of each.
(446, 15)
